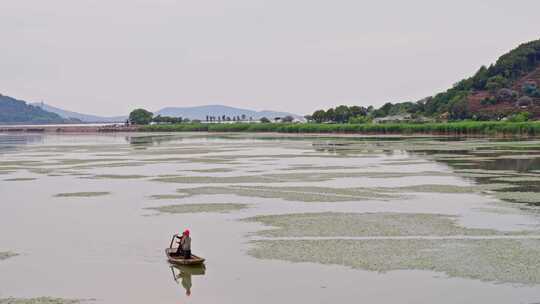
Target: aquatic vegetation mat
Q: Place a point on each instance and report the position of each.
(199, 208)
(116, 176)
(289, 177)
(301, 194)
(330, 224)
(81, 194)
(168, 196)
(7, 254)
(80, 161)
(213, 170)
(497, 260)
(20, 179)
(442, 188)
(315, 168)
(326, 194)
(519, 197)
(532, 179)
(40, 300)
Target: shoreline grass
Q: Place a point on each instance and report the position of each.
(465, 128)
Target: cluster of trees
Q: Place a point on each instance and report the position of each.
(140, 117)
(359, 114)
(167, 119)
(144, 117)
(340, 114)
(531, 89)
(221, 118)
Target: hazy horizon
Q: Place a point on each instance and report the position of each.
(106, 58)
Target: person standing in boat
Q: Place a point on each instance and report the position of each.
(184, 248)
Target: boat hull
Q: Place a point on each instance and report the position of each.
(178, 260)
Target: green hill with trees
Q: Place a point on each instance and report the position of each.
(13, 111)
(507, 89)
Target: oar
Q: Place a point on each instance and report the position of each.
(174, 275)
(172, 241)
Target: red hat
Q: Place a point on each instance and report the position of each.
(186, 232)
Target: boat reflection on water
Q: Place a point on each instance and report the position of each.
(182, 275)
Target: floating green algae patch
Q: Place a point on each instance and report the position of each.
(40, 300)
(332, 224)
(519, 197)
(41, 170)
(116, 176)
(531, 179)
(168, 196)
(199, 208)
(326, 194)
(484, 171)
(289, 177)
(478, 175)
(7, 254)
(202, 160)
(108, 165)
(20, 163)
(213, 170)
(20, 179)
(315, 168)
(404, 163)
(497, 260)
(442, 188)
(82, 194)
(179, 151)
(214, 179)
(301, 194)
(82, 161)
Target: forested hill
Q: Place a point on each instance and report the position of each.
(508, 86)
(13, 111)
(509, 89)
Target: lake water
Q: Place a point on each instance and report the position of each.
(292, 219)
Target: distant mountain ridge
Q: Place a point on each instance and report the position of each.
(44, 113)
(88, 118)
(200, 112)
(14, 111)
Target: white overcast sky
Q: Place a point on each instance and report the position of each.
(109, 56)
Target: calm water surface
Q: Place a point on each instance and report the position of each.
(110, 248)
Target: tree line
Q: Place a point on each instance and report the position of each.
(145, 117)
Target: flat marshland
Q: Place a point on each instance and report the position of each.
(378, 219)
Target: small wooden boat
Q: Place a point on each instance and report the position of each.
(179, 260)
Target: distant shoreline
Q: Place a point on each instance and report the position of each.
(77, 128)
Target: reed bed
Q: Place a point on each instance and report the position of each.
(450, 128)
